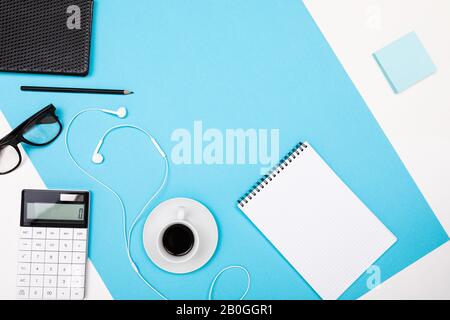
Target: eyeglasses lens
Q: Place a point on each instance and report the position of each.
(9, 158)
(42, 130)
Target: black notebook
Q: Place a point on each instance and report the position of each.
(45, 36)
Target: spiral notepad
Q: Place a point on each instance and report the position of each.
(316, 222)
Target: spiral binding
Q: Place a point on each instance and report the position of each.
(264, 180)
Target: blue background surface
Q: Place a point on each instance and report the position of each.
(231, 64)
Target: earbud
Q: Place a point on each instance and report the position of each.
(97, 158)
(121, 112)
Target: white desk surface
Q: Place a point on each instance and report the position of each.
(415, 121)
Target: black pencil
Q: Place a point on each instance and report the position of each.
(74, 90)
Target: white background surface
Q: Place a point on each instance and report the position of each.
(11, 187)
(416, 121)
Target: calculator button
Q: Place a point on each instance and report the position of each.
(65, 257)
(38, 233)
(23, 280)
(51, 245)
(26, 232)
(23, 268)
(51, 269)
(65, 245)
(64, 269)
(51, 257)
(37, 269)
(38, 245)
(64, 281)
(51, 263)
(77, 293)
(63, 293)
(66, 233)
(24, 256)
(78, 269)
(77, 282)
(36, 281)
(38, 256)
(49, 293)
(79, 257)
(79, 245)
(22, 293)
(80, 234)
(50, 281)
(52, 233)
(36, 293)
(24, 244)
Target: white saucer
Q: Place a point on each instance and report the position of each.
(198, 216)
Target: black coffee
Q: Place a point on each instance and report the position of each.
(178, 239)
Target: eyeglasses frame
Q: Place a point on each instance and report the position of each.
(15, 137)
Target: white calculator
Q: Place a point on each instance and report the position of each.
(53, 242)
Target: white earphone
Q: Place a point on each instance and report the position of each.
(121, 112)
(98, 158)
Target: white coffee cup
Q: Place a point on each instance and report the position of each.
(181, 219)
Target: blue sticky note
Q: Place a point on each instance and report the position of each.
(405, 62)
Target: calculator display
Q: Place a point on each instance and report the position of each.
(55, 211)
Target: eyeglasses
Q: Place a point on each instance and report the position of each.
(39, 130)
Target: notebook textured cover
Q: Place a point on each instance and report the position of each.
(316, 222)
(45, 36)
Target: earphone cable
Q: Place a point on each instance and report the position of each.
(213, 283)
(128, 235)
(124, 224)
